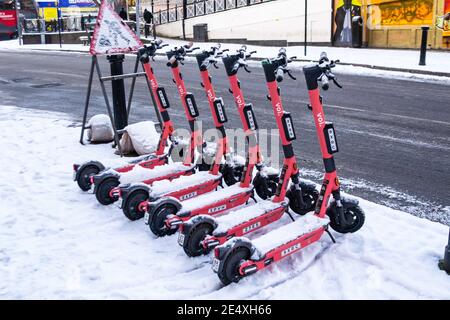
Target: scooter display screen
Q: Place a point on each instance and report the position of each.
(192, 105)
(288, 126)
(162, 97)
(220, 111)
(250, 117)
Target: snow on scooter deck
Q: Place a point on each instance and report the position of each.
(141, 174)
(300, 227)
(247, 213)
(160, 188)
(211, 198)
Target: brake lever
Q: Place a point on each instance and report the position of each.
(215, 65)
(290, 75)
(337, 84)
(245, 68)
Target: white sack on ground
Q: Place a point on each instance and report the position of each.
(100, 129)
(141, 136)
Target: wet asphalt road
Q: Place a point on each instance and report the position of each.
(394, 135)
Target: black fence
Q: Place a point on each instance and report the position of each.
(67, 24)
(200, 8)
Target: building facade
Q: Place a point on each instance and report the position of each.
(384, 23)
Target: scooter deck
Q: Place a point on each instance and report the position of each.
(161, 188)
(140, 174)
(249, 217)
(216, 202)
(287, 233)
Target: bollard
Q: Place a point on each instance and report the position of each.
(423, 46)
(445, 263)
(118, 91)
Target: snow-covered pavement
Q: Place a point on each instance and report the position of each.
(58, 242)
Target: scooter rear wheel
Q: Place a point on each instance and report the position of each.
(192, 243)
(84, 174)
(309, 199)
(354, 214)
(104, 188)
(229, 271)
(130, 206)
(158, 219)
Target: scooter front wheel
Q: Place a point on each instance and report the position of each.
(309, 201)
(229, 268)
(157, 222)
(84, 174)
(354, 216)
(192, 243)
(103, 190)
(131, 204)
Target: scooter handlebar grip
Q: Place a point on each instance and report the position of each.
(279, 75)
(325, 83)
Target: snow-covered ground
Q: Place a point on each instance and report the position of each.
(58, 242)
(364, 59)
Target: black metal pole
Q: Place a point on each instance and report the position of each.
(445, 263)
(88, 97)
(59, 25)
(118, 91)
(184, 18)
(423, 46)
(306, 24)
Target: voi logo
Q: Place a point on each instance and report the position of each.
(320, 119)
(251, 227)
(217, 209)
(188, 196)
(240, 102)
(279, 109)
(210, 95)
(181, 90)
(153, 84)
(291, 249)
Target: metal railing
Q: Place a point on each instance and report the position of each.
(200, 8)
(68, 24)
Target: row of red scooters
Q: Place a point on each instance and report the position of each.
(214, 207)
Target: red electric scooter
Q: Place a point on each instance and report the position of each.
(202, 233)
(84, 172)
(166, 215)
(106, 183)
(136, 197)
(240, 257)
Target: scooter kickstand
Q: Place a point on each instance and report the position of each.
(330, 235)
(290, 215)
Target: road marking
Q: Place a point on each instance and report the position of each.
(389, 114)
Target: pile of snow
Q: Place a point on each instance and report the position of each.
(58, 242)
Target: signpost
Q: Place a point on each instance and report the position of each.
(306, 24)
(19, 29)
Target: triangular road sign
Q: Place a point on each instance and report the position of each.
(112, 34)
